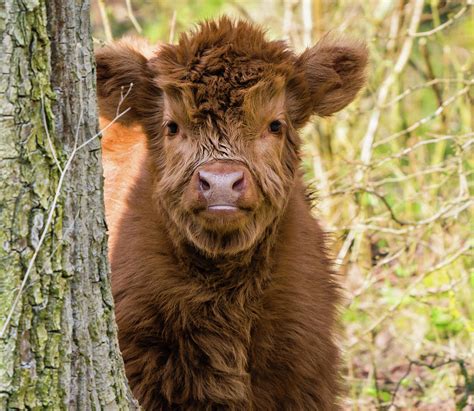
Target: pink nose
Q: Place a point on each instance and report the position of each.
(210, 181)
(222, 184)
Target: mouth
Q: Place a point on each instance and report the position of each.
(223, 209)
(222, 215)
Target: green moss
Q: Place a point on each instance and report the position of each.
(29, 356)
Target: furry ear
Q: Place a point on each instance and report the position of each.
(333, 71)
(125, 81)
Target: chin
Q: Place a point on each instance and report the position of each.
(223, 235)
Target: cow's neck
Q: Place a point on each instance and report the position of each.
(249, 268)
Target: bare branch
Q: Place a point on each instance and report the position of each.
(48, 136)
(447, 23)
(132, 18)
(51, 214)
(172, 27)
(445, 262)
(424, 120)
(105, 21)
(411, 90)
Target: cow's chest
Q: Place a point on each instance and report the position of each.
(207, 349)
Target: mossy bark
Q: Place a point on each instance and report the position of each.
(58, 348)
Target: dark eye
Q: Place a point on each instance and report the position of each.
(275, 126)
(172, 128)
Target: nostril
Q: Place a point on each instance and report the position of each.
(203, 183)
(239, 183)
(218, 183)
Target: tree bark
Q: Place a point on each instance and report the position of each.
(58, 344)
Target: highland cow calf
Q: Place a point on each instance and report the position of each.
(224, 293)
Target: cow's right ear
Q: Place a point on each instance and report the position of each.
(126, 82)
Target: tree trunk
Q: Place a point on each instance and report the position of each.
(58, 344)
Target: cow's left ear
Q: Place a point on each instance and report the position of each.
(334, 70)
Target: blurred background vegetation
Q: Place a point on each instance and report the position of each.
(393, 175)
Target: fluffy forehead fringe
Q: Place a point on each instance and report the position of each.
(242, 38)
(214, 66)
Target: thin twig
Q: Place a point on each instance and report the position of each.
(424, 120)
(415, 146)
(368, 139)
(132, 18)
(51, 214)
(447, 23)
(123, 97)
(432, 366)
(48, 136)
(43, 234)
(445, 262)
(172, 27)
(411, 90)
(105, 21)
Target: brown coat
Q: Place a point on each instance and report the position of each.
(222, 310)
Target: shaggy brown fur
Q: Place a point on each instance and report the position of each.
(213, 313)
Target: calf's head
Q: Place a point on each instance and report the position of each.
(221, 110)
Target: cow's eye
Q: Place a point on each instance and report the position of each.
(275, 126)
(172, 128)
